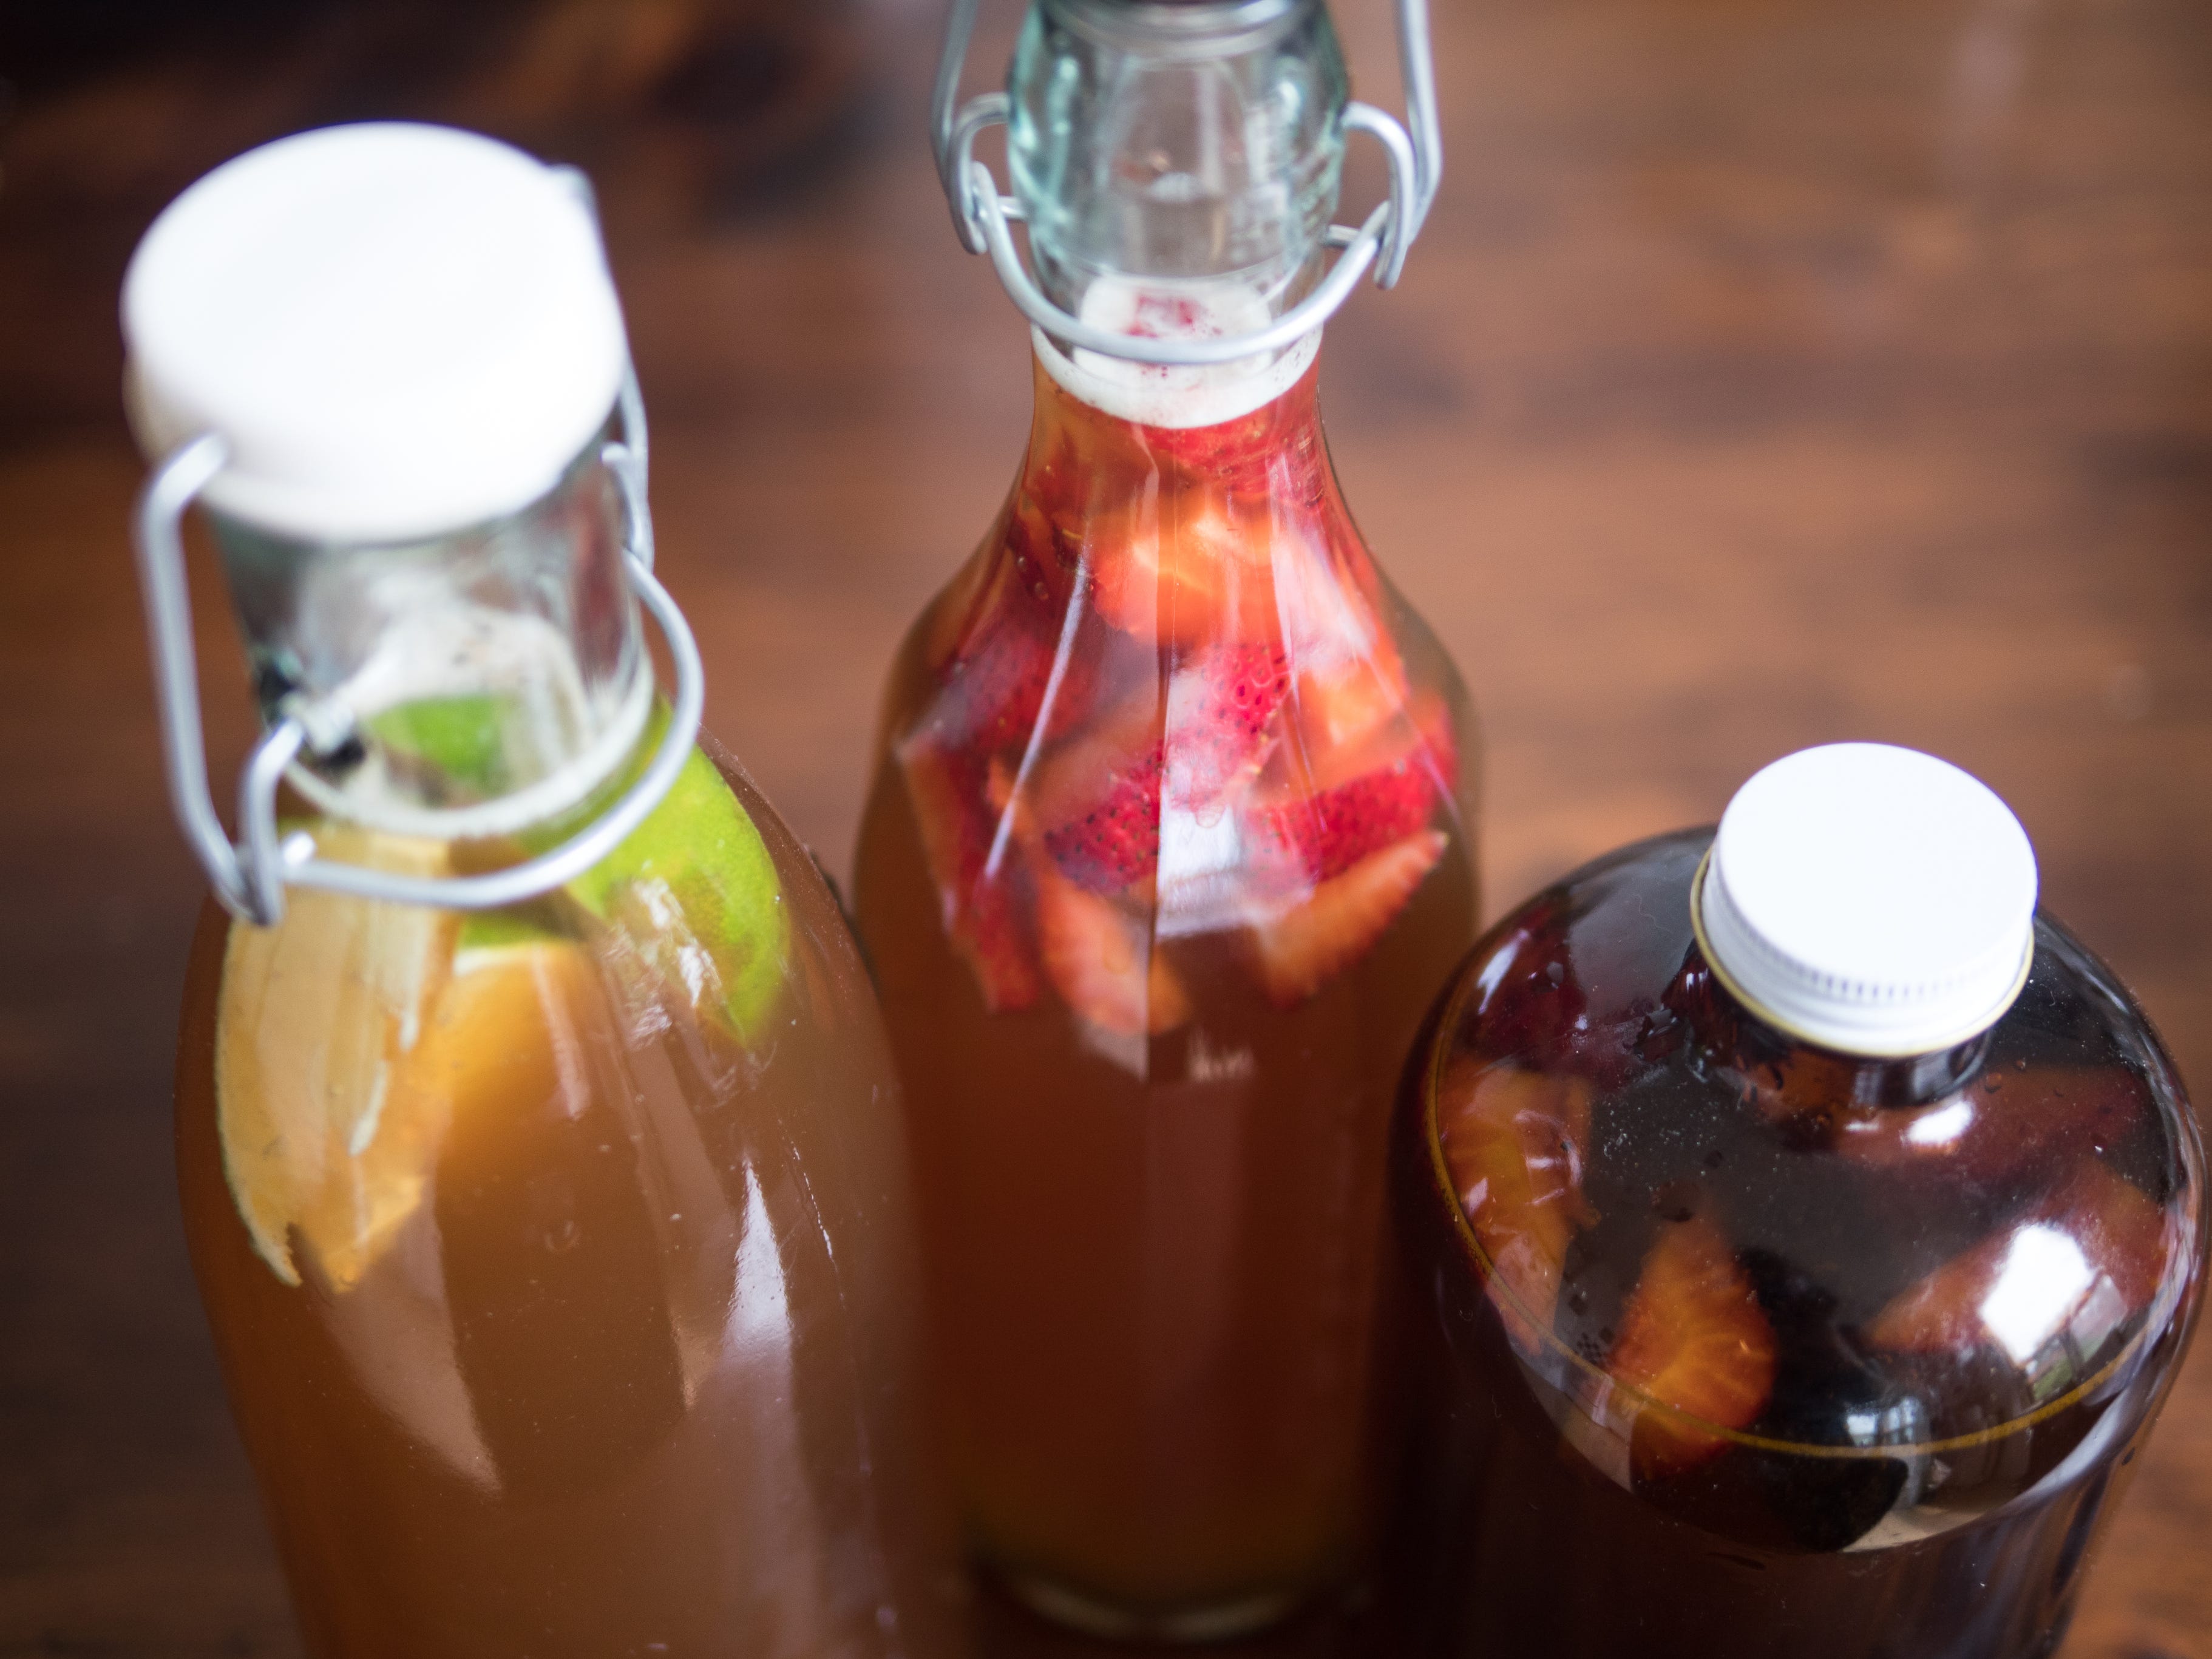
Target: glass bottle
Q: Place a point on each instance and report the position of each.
(557, 1254)
(1170, 839)
(1807, 1230)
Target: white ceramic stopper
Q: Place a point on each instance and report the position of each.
(397, 330)
(1871, 899)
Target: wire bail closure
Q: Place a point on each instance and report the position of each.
(249, 875)
(982, 214)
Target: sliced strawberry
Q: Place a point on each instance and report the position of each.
(1221, 712)
(1692, 1337)
(981, 912)
(1101, 961)
(1179, 565)
(946, 792)
(1344, 825)
(1348, 708)
(1300, 949)
(2087, 1259)
(1275, 451)
(993, 687)
(1310, 837)
(1099, 807)
(1514, 1143)
(1326, 599)
(1099, 800)
(992, 684)
(1260, 455)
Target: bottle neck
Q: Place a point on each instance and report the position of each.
(1172, 158)
(462, 687)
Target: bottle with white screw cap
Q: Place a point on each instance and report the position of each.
(538, 1136)
(1807, 1228)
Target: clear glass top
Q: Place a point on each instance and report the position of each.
(1177, 142)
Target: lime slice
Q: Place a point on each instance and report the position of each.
(693, 889)
(462, 736)
(696, 877)
(485, 931)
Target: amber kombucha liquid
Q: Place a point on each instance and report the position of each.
(1152, 1189)
(603, 1343)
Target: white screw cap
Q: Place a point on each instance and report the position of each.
(397, 330)
(1871, 899)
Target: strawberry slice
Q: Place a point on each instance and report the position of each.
(1348, 709)
(2082, 1262)
(1692, 1337)
(1260, 455)
(1221, 714)
(1179, 566)
(1313, 834)
(993, 681)
(1101, 807)
(981, 912)
(994, 686)
(1099, 800)
(1101, 961)
(1514, 1143)
(1273, 451)
(1300, 949)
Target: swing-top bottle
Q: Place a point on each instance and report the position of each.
(1170, 841)
(537, 1137)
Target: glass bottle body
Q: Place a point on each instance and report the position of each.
(1789, 1350)
(558, 1257)
(1170, 832)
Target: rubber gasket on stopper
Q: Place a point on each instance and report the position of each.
(1870, 899)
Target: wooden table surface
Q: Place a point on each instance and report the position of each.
(1768, 374)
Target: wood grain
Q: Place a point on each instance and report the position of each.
(1768, 375)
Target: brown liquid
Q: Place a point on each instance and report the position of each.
(1902, 1430)
(1153, 1252)
(632, 1372)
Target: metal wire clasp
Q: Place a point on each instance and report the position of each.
(250, 876)
(982, 214)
